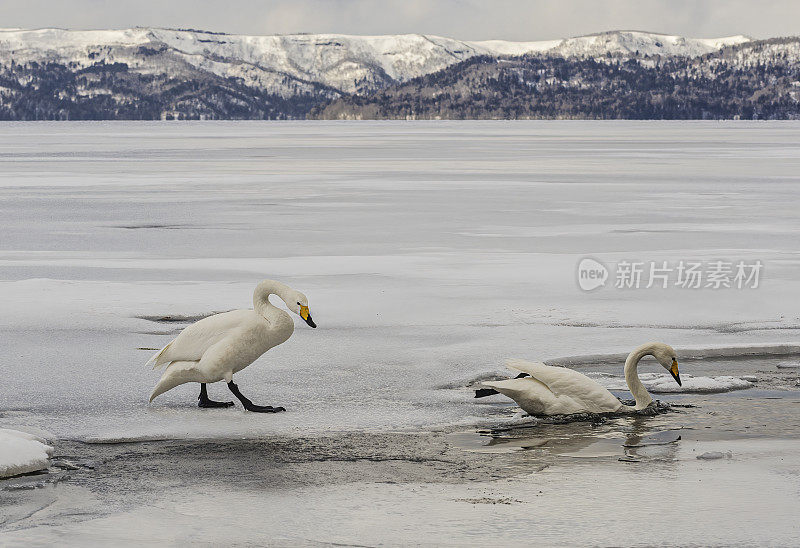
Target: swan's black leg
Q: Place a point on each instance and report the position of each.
(203, 401)
(250, 406)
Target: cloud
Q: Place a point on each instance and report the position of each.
(466, 19)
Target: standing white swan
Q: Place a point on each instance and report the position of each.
(215, 348)
(546, 390)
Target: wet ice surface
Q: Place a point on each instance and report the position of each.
(400, 490)
(430, 252)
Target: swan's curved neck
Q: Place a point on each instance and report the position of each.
(261, 295)
(635, 385)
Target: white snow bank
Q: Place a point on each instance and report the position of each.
(22, 453)
(665, 384)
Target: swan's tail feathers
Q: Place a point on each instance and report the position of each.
(506, 387)
(176, 374)
(531, 395)
(159, 359)
(484, 392)
(524, 366)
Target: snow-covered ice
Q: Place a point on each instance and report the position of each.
(22, 453)
(430, 253)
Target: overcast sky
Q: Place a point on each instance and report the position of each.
(464, 19)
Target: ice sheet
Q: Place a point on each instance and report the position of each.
(430, 252)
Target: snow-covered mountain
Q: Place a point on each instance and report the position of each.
(152, 73)
(755, 80)
(286, 65)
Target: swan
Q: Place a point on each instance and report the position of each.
(546, 390)
(216, 347)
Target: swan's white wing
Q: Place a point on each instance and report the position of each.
(192, 342)
(217, 360)
(561, 381)
(535, 398)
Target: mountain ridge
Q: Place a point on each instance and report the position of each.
(346, 63)
(152, 73)
(754, 80)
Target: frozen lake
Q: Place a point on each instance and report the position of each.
(430, 252)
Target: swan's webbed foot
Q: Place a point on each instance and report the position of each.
(211, 403)
(262, 408)
(205, 403)
(250, 406)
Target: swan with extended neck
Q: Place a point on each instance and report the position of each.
(216, 347)
(546, 390)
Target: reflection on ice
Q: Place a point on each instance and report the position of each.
(631, 438)
(656, 438)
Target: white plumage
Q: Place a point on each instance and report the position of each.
(215, 348)
(561, 391)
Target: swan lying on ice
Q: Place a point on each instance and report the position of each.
(215, 348)
(545, 390)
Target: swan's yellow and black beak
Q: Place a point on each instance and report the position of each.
(306, 315)
(675, 373)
